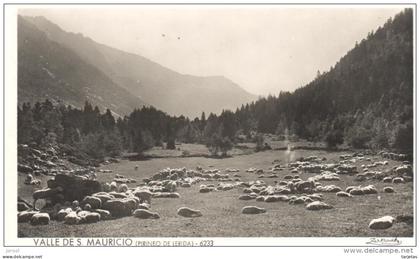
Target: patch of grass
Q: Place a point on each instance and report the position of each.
(222, 210)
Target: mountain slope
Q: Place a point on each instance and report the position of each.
(48, 70)
(367, 97)
(168, 90)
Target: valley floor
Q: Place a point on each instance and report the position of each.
(221, 210)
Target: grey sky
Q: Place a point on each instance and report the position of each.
(265, 49)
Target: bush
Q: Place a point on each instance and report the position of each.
(259, 141)
(142, 141)
(225, 146)
(359, 137)
(334, 138)
(404, 138)
(218, 144)
(101, 144)
(171, 143)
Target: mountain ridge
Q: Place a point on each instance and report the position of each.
(46, 69)
(159, 86)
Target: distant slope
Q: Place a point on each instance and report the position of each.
(47, 69)
(367, 97)
(166, 89)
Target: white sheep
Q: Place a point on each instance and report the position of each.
(123, 188)
(71, 218)
(113, 186)
(40, 219)
(252, 210)
(145, 214)
(382, 223)
(143, 195)
(189, 213)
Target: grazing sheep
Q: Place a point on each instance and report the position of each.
(45, 193)
(75, 204)
(282, 183)
(349, 188)
(103, 196)
(328, 188)
(104, 214)
(356, 191)
(145, 214)
(166, 195)
(87, 207)
(186, 185)
(144, 206)
(404, 170)
(143, 195)
(113, 187)
(40, 219)
(82, 214)
(205, 189)
(246, 197)
(106, 187)
(370, 189)
(92, 201)
(25, 216)
(92, 217)
(388, 189)
(119, 207)
(275, 198)
(343, 194)
(307, 199)
(122, 188)
(35, 182)
(189, 213)
(61, 214)
(318, 205)
(28, 179)
(398, 180)
(118, 195)
(316, 196)
(252, 210)
(170, 186)
(304, 186)
(382, 223)
(247, 190)
(387, 180)
(260, 198)
(71, 218)
(294, 200)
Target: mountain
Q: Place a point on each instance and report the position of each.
(175, 93)
(47, 69)
(365, 99)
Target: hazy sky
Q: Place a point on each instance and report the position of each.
(265, 49)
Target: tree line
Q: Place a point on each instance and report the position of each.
(365, 100)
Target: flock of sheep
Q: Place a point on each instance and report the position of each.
(116, 199)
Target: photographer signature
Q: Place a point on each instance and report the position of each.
(384, 241)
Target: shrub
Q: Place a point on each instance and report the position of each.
(334, 138)
(359, 137)
(404, 138)
(259, 141)
(171, 143)
(218, 144)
